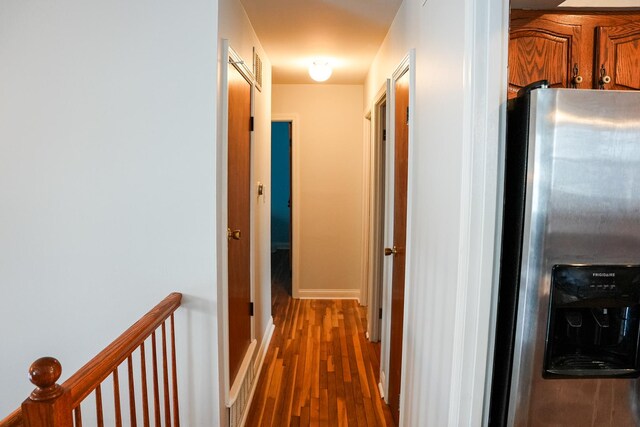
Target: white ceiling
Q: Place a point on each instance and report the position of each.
(346, 32)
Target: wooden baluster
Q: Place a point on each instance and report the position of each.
(133, 422)
(165, 377)
(99, 417)
(77, 414)
(48, 405)
(116, 398)
(156, 392)
(145, 398)
(174, 373)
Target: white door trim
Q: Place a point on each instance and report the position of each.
(229, 56)
(365, 259)
(374, 231)
(294, 119)
(407, 65)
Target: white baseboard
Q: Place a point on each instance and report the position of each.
(264, 346)
(262, 352)
(381, 385)
(380, 389)
(328, 294)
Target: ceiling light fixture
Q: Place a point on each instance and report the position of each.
(320, 70)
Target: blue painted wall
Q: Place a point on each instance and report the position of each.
(280, 172)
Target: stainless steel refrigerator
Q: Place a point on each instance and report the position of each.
(566, 350)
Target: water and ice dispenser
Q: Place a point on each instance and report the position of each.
(593, 322)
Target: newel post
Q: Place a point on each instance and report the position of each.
(48, 405)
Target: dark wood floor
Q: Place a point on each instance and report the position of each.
(319, 370)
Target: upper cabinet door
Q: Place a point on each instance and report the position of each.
(541, 49)
(618, 57)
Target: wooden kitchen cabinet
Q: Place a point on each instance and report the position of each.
(587, 50)
(618, 55)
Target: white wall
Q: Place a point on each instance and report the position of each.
(329, 178)
(107, 184)
(452, 200)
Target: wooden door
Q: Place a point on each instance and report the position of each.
(544, 48)
(239, 173)
(618, 56)
(401, 155)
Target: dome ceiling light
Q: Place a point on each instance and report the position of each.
(320, 70)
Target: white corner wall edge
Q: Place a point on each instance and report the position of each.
(262, 353)
(329, 294)
(221, 225)
(484, 126)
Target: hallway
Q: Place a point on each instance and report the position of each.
(319, 369)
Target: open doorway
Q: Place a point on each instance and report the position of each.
(281, 225)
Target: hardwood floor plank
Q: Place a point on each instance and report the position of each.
(342, 413)
(305, 416)
(332, 399)
(319, 369)
(300, 372)
(267, 415)
(274, 394)
(315, 412)
(316, 362)
(361, 359)
(324, 408)
(283, 407)
(346, 370)
(262, 392)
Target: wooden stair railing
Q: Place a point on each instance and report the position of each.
(53, 405)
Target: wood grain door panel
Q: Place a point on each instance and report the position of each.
(239, 185)
(401, 156)
(618, 53)
(543, 50)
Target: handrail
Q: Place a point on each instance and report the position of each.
(44, 372)
(100, 367)
(13, 420)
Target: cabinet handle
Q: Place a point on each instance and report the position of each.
(577, 78)
(604, 78)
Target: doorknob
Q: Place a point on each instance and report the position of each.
(390, 251)
(235, 234)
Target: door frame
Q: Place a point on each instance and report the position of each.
(229, 56)
(374, 223)
(407, 65)
(294, 119)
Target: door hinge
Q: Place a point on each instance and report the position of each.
(251, 309)
(407, 115)
(251, 124)
(380, 313)
(384, 134)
